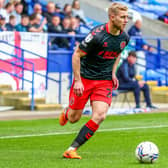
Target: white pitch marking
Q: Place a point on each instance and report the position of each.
(73, 132)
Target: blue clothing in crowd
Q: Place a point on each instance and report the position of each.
(21, 28)
(10, 27)
(134, 31)
(126, 72)
(126, 76)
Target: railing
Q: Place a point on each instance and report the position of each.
(22, 59)
(72, 41)
(22, 76)
(70, 50)
(158, 54)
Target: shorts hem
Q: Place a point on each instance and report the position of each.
(101, 101)
(73, 108)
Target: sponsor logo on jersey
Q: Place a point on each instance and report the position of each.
(109, 54)
(88, 38)
(84, 44)
(105, 44)
(71, 102)
(122, 44)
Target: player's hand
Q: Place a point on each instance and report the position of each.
(78, 88)
(115, 82)
(141, 83)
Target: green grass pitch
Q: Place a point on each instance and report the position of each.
(40, 143)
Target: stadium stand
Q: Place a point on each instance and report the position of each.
(149, 8)
(155, 68)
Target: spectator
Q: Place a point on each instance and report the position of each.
(38, 10)
(132, 1)
(9, 7)
(2, 23)
(15, 1)
(35, 25)
(75, 25)
(30, 4)
(59, 11)
(135, 30)
(2, 10)
(67, 10)
(24, 25)
(58, 8)
(11, 26)
(55, 27)
(76, 11)
(50, 11)
(126, 76)
(25, 7)
(18, 12)
(66, 26)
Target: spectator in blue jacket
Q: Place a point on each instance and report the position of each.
(11, 26)
(135, 30)
(50, 12)
(126, 76)
(24, 25)
(2, 23)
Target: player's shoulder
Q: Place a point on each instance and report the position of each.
(97, 30)
(125, 35)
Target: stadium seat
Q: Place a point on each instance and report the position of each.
(125, 99)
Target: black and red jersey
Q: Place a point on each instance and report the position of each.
(102, 49)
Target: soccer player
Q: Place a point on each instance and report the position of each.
(94, 65)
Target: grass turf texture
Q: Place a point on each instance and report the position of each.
(105, 150)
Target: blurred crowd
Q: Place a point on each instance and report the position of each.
(154, 9)
(41, 16)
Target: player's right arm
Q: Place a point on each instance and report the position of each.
(86, 46)
(78, 85)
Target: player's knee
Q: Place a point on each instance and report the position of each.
(136, 85)
(73, 118)
(99, 118)
(102, 117)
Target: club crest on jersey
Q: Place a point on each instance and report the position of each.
(105, 44)
(122, 44)
(88, 38)
(71, 102)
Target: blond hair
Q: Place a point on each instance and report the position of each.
(115, 8)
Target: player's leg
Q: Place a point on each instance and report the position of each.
(99, 111)
(73, 112)
(101, 93)
(70, 115)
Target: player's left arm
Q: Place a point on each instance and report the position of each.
(114, 78)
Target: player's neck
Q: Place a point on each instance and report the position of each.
(113, 30)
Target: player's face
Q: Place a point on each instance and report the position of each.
(120, 20)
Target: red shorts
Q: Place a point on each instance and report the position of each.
(100, 90)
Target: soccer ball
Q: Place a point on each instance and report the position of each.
(147, 152)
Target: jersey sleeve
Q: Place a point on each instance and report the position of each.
(89, 43)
